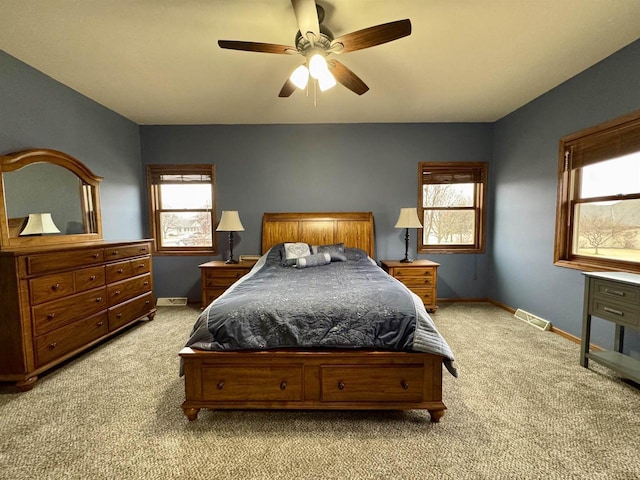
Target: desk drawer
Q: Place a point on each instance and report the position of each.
(616, 292)
(621, 313)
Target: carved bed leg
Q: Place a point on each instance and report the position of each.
(436, 415)
(191, 413)
(27, 384)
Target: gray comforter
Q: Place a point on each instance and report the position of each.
(352, 304)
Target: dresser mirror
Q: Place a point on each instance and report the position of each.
(47, 197)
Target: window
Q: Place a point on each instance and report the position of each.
(598, 210)
(452, 209)
(182, 208)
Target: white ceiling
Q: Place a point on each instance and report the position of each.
(158, 62)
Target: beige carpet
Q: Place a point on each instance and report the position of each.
(522, 408)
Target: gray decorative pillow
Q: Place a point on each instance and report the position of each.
(314, 260)
(293, 251)
(336, 251)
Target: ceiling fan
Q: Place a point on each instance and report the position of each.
(315, 42)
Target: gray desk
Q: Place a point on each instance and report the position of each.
(612, 296)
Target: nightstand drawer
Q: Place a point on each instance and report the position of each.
(417, 282)
(413, 272)
(427, 295)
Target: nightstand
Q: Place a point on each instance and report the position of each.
(217, 276)
(420, 276)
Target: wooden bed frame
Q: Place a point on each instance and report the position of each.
(322, 379)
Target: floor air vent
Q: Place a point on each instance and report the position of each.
(172, 302)
(531, 319)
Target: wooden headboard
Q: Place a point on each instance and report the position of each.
(354, 229)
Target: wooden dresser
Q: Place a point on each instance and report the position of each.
(420, 276)
(217, 276)
(60, 300)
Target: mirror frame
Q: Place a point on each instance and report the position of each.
(15, 161)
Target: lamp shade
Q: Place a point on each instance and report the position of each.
(38, 224)
(230, 222)
(408, 218)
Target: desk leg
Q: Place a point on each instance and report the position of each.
(586, 338)
(618, 341)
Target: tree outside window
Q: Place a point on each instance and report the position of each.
(452, 206)
(598, 212)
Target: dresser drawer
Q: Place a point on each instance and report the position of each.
(616, 292)
(130, 310)
(51, 287)
(88, 278)
(121, 291)
(363, 383)
(63, 260)
(70, 337)
(252, 383)
(128, 268)
(117, 253)
(55, 314)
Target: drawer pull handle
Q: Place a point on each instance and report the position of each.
(98, 299)
(118, 315)
(92, 278)
(143, 249)
(146, 284)
(147, 302)
(404, 384)
(52, 345)
(141, 265)
(220, 385)
(100, 323)
(115, 252)
(96, 255)
(283, 385)
(117, 292)
(55, 286)
(51, 316)
(614, 292)
(340, 385)
(614, 311)
(120, 270)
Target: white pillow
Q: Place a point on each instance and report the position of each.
(293, 251)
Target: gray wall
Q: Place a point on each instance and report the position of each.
(311, 168)
(524, 181)
(345, 167)
(39, 112)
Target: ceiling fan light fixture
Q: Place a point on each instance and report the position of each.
(300, 77)
(318, 66)
(326, 81)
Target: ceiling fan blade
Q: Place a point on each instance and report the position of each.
(372, 36)
(347, 78)
(307, 16)
(287, 89)
(256, 47)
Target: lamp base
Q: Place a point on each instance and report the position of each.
(406, 260)
(231, 260)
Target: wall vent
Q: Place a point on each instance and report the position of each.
(171, 302)
(532, 319)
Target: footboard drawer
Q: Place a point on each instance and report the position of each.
(372, 383)
(251, 383)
